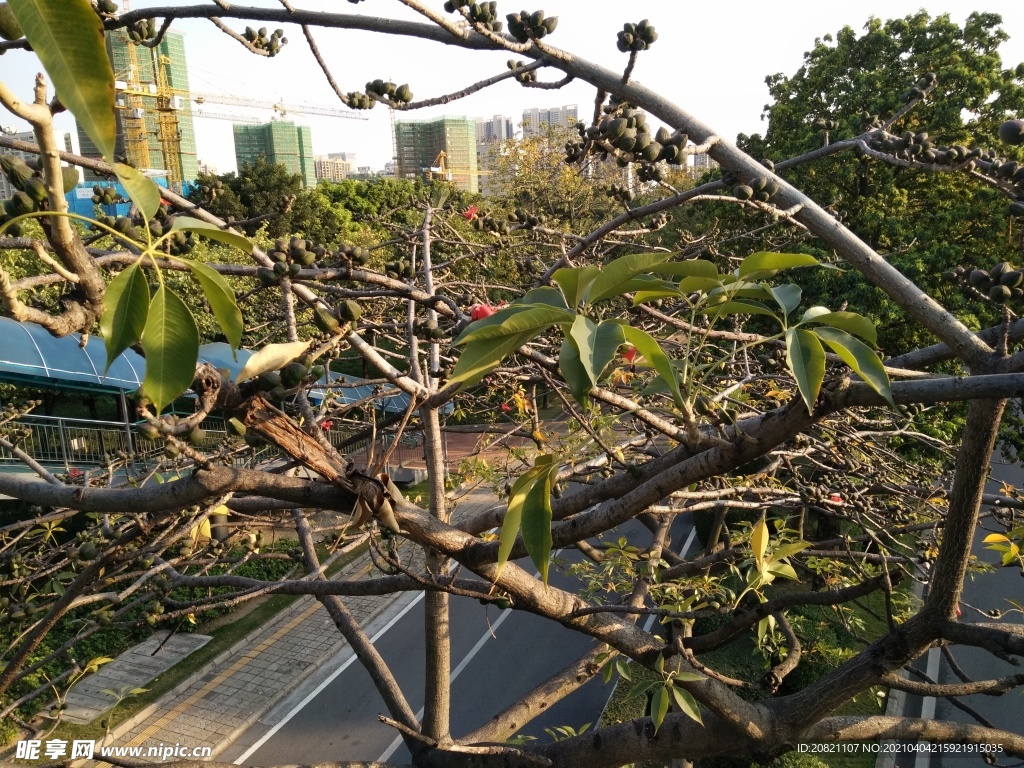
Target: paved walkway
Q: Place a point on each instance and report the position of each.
(215, 706)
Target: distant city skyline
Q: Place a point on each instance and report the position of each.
(728, 95)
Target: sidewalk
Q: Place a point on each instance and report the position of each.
(217, 704)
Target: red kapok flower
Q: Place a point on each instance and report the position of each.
(629, 355)
(326, 425)
(480, 311)
(470, 213)
(506, 407)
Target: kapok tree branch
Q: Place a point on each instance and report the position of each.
(370, 658)
(996, 687)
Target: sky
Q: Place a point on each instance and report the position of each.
(711, 59)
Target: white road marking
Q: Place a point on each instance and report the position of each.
(455, 673)
(419, 715)
(315, 692)
(923, 759)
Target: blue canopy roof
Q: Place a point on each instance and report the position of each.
(220, 355)
(28, 352)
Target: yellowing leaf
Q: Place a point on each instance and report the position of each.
(759, 540)
(270, 358)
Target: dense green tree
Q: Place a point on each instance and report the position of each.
(925, 223)
(217, 193)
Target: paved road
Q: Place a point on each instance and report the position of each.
(985, 592)
(497, 656)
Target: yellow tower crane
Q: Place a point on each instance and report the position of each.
(131, 102)
(439, 169)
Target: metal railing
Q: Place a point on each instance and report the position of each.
(55, 441)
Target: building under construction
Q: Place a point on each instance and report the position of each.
(154, 117)
(280, 141)
(418, 144)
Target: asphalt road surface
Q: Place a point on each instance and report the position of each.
(986, 592)
(497, 656)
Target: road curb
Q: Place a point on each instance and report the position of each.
(142, 715)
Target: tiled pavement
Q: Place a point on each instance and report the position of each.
(220, 702)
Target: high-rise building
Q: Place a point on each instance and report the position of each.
(701, 162)
(138, 115)
(536, 121)
(490, 133)
(280, 141)
(421, 144)
(497, 128)
(336, 166)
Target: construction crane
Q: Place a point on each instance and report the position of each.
(441, 170)
(234, 118)
(130, 101)
(277, 106)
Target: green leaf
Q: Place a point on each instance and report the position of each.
(171, 343)
(607, 341)
(786, 296)
(765, 264)
(691, 268)
(759, 540)
(537, 517)
(515, 320)
(529, 504)
(642, 297)
(860, 357)
(575, 282)
(699, 283)
(622, 667)
(543, 295)
(640, 689)
(742, 307)
(788, 550)
(659, 707)
(688, 677)
(647, 283)
(222, 301)
(573, 372)
(189, 224)
(141, 189)
(583, 332)
(125, 307)
(687, 704)
(617, 273)
(271, 358)
(67, 36)
(734, 288)
(647, 346)
(806, 361)
(785, 570)
(597, 345)
(497, 318)
(481, 357)
(850, 322)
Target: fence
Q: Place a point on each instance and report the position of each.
(54, 441)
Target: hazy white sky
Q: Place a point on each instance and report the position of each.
(711, 59)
